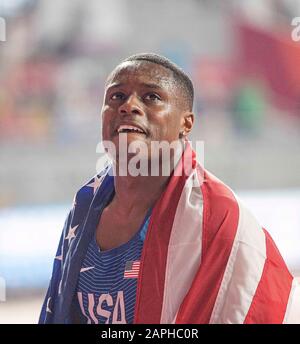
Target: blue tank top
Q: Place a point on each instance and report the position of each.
(106, 289)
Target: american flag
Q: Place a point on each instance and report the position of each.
(132, 269)
(205, 258)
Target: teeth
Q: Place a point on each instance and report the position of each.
(123, 128)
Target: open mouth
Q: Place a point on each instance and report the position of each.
(130, 129)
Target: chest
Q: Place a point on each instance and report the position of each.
(113, 231)
(106, 289)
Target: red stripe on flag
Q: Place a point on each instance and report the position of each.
(271, 297)
(150, 288)
(220, 222)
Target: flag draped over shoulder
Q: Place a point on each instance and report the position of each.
(205, 258)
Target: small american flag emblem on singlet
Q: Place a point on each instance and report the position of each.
(132, 269)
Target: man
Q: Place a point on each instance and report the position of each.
(164, 248)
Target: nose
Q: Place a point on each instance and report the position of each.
(131, 106)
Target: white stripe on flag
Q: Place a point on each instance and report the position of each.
(243, 271)
(184, 251)
(292, 315)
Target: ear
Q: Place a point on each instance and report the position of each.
(187, 123)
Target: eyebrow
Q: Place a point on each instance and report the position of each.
(146, 85)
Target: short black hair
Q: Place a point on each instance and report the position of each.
(179, 75)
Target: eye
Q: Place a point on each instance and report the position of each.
(117, 96)
(152, 97)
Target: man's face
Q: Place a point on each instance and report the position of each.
(143, 95)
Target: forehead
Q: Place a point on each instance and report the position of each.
(142, 72)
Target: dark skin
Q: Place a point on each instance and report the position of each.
(145, 94)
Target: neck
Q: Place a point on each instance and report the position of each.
(134, 194)
(137, 194)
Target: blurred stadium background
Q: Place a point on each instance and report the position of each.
(53, 64)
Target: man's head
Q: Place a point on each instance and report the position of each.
(150, 93)
(179, 77)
